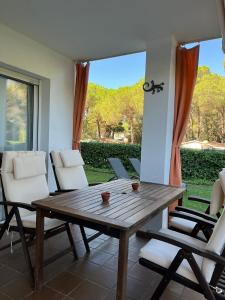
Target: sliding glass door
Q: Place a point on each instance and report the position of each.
(16, 115)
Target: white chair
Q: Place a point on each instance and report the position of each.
(188, 261)
(68, 170)
(189, 221)
(69, 176)
(23, 176)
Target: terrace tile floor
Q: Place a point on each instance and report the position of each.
(93, 276)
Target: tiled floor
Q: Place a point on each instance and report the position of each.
(93, 276)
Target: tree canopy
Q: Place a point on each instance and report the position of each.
(109, 111)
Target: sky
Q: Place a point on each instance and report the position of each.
(128, 69)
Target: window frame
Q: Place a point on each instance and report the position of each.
(35, 84)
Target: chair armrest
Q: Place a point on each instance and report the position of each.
(191, 248)
(199, 199)
(193, 218)
(196, 213)
(58, 192)
(18, 205)
(135, 177)
(94, 183)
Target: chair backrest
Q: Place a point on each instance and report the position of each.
(215, 244)
(68, 169)
(136, 165)
(24, 177)
(118, 167)
(217, 196)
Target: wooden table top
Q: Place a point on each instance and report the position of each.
(125, 210)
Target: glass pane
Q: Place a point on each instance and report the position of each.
(16, 115)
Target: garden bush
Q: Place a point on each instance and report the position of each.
(196, 164)
(96, 154)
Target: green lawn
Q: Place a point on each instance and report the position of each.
(103, 175)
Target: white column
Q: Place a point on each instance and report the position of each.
(158, 114)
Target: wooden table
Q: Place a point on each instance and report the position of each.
(125, 214)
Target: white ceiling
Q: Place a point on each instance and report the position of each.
(89, 29)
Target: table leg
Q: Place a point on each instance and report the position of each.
(39, 255)
(122, 266)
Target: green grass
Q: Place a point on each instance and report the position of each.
(197, 190)
(193, 188)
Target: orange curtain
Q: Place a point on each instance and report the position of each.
(186, 73)
(82, 72)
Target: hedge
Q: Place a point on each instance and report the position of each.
(196, 164)
(96, 154)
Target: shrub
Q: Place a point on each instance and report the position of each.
(96, 154)
(202, 164)
(196, 164)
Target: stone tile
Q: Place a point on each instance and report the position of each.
(175, 288)
(137, 242)
(190, 294)
(18, 288)
(15, 260)
(7, 275)
(135, 289)
(88, 290)
(83, 268)
(65, 282)
(112, 263)
(96, 243)
(109, 247)
(45, 294)
(99, 257)
(60, 265)
(145, 275)
(4, 297)
(104, 277)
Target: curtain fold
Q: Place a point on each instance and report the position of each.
(82, 72)
(186, 73)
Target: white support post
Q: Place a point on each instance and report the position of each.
(158, 116)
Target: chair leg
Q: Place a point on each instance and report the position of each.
(168, 276)
(70, 236)
(5, 226)
(24, 244)
(84, 238)
(207, 292)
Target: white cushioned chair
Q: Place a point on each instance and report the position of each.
(23, 176)
(189, 221)
(69, 176)
(196, 264)
(68, 170)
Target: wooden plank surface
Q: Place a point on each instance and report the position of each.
(125, 209)
(146, 190)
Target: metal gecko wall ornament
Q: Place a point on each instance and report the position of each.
(153, 88)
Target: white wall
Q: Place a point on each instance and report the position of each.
(56, 93)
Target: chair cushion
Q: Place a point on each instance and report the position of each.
(29, 221)
(162, 254)
(222, 180)
(217, 197)
(182, 224)
(23, 190)
(69, 177)
(215, 244)
(29, 166)
(185, 225)
(71, 158)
